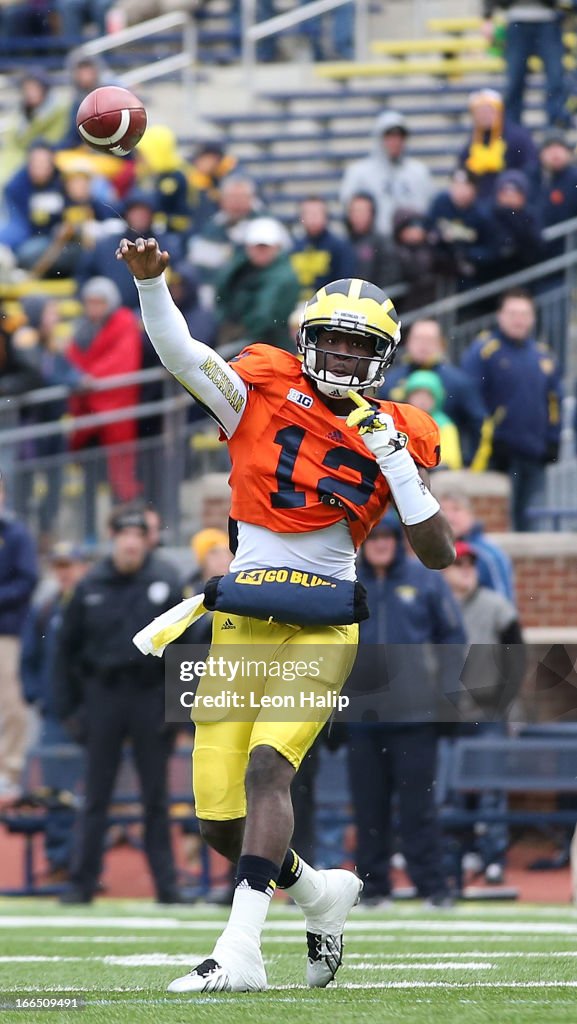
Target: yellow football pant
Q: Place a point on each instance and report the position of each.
(224, 743)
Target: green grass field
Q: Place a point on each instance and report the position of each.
(467, 966)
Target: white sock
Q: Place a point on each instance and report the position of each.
(247, 917)
(308, 886)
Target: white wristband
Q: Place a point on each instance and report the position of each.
(413, 499)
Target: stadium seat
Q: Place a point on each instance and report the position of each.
(440, 45)
(456, 25)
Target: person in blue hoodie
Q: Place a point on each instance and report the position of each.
(407, 679)
(319, 255)
(38, 667)
(513, 228)
(18, 577)
(520, 385)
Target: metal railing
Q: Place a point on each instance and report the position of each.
(451, 311)
(253, 32)
(65, 491)
(183, 61)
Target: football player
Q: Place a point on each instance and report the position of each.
(314, 466)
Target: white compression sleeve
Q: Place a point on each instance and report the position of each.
(413, 499)
(198, 367)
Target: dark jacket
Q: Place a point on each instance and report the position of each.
(515, 241)
(321, 258)
(39, 649)
(254, 303)
(18, 574)
(463, 403)
(491, 6)
(100, 262)
(32, 209)
(107, 609)
(520, 385)
(369, 252)
(200, 321)
(555, 202)
(462, 236)
(17, 375)
(412, 646)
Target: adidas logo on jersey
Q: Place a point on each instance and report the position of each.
(227, 624)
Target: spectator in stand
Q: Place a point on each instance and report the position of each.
(214, 498)
(410, 653)
(16, 374)
(496, 144)
(460, 230)
(87, 73)
(369, 247)
(393, 179)
(425, 349)
(108, 692)
(18, 576)
(212, 557)
(556, 187)
(340, 35)
(107, 342)
(183, 284)
(555, 202)
(257, 290)
(319, 255)
(134, 12)
(161, 172)
(138, 210)
(16, 377)
(494, 567)
(208, 168)
(85, 220)
(514, 228)
(519, 381)
(492, 677)
(40, 115)
(75, 14)
(24, 18)
(411, 259)
(36, 343)
(39, 645)
(34, 201)
(534, 28)
(224, 233)
(425, 390)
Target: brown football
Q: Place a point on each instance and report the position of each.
(111, 120)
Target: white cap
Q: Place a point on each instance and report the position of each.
(266, 231)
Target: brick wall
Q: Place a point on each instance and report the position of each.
(546, 576)
(489, 494)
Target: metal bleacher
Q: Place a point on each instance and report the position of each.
(29, 820)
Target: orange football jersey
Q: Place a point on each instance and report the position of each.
(296, 466)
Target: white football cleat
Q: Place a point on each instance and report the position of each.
(326, 923)
(228, 973)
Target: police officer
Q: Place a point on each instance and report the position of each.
(109, 692)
